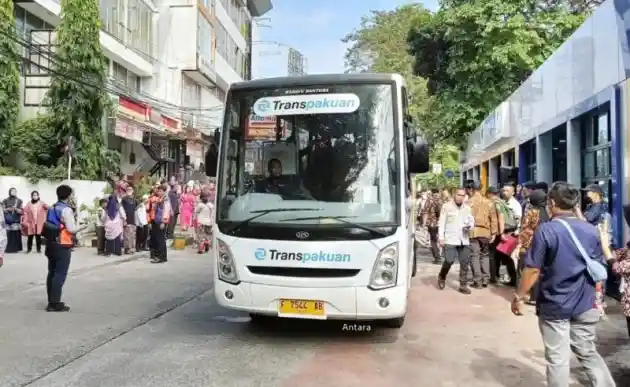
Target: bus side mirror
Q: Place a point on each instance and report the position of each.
(212, 160)
(418, 154)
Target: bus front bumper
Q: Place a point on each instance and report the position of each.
(351, 303)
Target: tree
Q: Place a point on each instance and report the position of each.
(9, 79)
(380, 45)
(448, 157)
(77, 97)
(475, 53)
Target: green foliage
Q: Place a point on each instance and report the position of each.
(77, 96)
(380, 45)
(475, 53)
(9, 79)
(448, 157)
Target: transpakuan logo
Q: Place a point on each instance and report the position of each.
(306, 104)
(308, 257)
(260, 254)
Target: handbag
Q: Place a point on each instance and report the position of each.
(507, 245)
(595, 269)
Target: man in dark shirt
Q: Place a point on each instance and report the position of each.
(566, 301)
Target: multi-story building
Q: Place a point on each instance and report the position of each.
(170, 63)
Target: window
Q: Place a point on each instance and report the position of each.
(112, 17)
(130, 21)
(191, 93)
(126, 78)
(222, 41)
(597, 151)
(139, 25)
(219, 93)
(209, 4)
(235, 12)
(204, 39)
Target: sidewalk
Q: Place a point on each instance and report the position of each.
(22, 271)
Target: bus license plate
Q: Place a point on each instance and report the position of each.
(306, 308)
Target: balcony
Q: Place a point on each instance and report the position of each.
(188, 35)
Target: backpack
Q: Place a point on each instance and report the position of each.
(509, 220)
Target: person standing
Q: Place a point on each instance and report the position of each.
(535, 214)
(455, 224)
(129, 204)
(142, 224)
(3, 237)
(204, 217)
(100, 227)
(174, 195)
(113, 221)
(59, 229)
(430, 219)
(186, 208)
(33, 222)
(566, 302)
(160, 216)
(12, 222)
(484, 232)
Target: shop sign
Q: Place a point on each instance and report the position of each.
(132, 109)
(155, 117)
(261, 128)
(128, 130)
(171, 124)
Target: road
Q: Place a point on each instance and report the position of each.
(134, 324)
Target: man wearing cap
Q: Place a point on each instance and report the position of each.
(483, 234)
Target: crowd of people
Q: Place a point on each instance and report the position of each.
(126, 225)
(559, 258)
(125, 222)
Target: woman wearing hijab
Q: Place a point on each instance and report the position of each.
(3, 237)
(535, 214)
(113, 221)
(33, 222)
(12, 219)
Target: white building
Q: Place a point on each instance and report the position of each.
(170, 62)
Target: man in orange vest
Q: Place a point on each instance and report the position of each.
(59, 231)
(159, 218)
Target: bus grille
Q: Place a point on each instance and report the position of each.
(303, 272)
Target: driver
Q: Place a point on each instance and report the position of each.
(276, 185)
(273, 183)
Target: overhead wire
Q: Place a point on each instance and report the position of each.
(111, 87)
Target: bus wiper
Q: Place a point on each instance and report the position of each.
(341, 219)
(260, 213)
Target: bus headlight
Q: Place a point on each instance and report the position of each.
(225, 264)
(385, 271)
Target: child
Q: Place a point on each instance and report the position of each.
(142, 224)
(100, 228)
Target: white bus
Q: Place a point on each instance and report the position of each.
(312, 215)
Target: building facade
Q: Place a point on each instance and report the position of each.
(170, 63)
(569, 120)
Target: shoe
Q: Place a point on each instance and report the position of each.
(57, 307)
(477, 285)
(484, 283)
(28, 251)
(463, 289)
(441, 283)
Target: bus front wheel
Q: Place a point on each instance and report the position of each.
(394, 323)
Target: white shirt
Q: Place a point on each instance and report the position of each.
(141, 216)
(515, 206)
(453, 220)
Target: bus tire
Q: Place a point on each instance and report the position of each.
(394, 323)
(258, 319)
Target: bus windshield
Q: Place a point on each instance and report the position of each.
(310, 154)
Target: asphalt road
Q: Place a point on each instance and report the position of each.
(134, 324)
